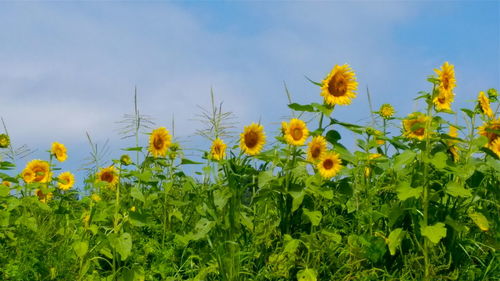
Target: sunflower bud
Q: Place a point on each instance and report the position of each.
(4, 141)
(493, 94)
(174, 150)
(125, 160)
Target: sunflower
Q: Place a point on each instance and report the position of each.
(443, 101)
(252, 139)
(452, 148)
(491, 130)
(339, 86)
(159, 142)
(44, 198)
(108, 175)
(386, 111)
(66, 181)
(218, 149)
(284, 126)
(447, 82)
(484, 105)
(4, 141)
(36, 171)
(495, 146)
(329, 165)
(316, 148)
(296, 132)
(414, 126)
(95, 197)
(59, 151)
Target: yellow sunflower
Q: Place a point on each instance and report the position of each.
(66, 181)
(59, 151)
(36, 171)
(339, 86)
(218, 149)
(316, 148)
(44, 198)
(95, 197)
(495, 146)
(296, 132)
(490, 130)
(443, 101)
(414, 126)
(484, 104)
(108, 175)
(252, 139)
(452, 148)
(284, 126)
(159, 142)
(386, 111)
(329, 165)
(447, 81)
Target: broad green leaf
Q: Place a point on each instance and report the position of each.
(202, 228)
(302, 107)
(264, 178)
(4, 190)
(308, 274)
(122, 244)
(220, 197)
(403, 159)
(185, 161)
(335, 237)
(405, 191)
(81, 248)
(439, 160)
(332, 136)
(4, 218)
(136, 193)
(456, 189)
(313, 216)
(137, 148)
(298, 197)
(326, 110)
(394, 240)
(434, 232)
(480, 220)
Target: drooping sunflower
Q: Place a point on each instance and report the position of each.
(386, 111)
(59, 151)
(44, 198)
(447, 81)
(316, 148)
(108, 175)
(452, 148)
(329, 165)
(36, 171)
(252, 139)
(4, 141)
(66, 181)
(339, 86)
(414, 125)
(218, 149)
(491, 130)
(484, 105)
(159, 142)
(495, 146)
(296, 132)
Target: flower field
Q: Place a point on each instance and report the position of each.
(418, 203)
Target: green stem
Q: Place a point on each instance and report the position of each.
(425, 199)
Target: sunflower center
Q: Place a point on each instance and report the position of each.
(158, 143)
(107, 177)
(446, 82)
(39, 173)
(337, 85)
(297, 134)
(328, 164)
(316, 151)
(217, 149)
(251, 139)
(419, 131)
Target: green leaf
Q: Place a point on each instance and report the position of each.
(81, 248)
(313, 216)
(405, 191)
(122, 244)
(302, 107)
(220, 197)
(136, 193)
(469, 112)
(439, 160)
(315, 83)
(332, 136)
(434, 232)
(185, 161)
(456, 189)
(394, 240)
(335, 237)
(137, 148)
(4, 190)
(264, 178)
(404, 159)
(298, 197)
(480, 220)
(308, 274)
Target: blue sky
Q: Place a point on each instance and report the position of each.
(71, 67)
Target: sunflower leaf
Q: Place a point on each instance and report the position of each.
(302, 107)
(434, 232)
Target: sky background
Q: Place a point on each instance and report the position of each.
(67, 68)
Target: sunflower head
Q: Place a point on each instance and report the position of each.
(296, 132)
(174, 150)
(218, 149)
(36, 171)
(446, 77)
(125, 160)
(4, 141)
(316, 148)
(495, 146)
(108, 175)
(43, 197)
(414, 126)
(386, 111)
(252, 139)
(329, 165)
(159, 142)
(66, 181)
(443, 101)
(284, 126)
(59, 151)
(490, 130)
(339, 86)
(484, 105)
